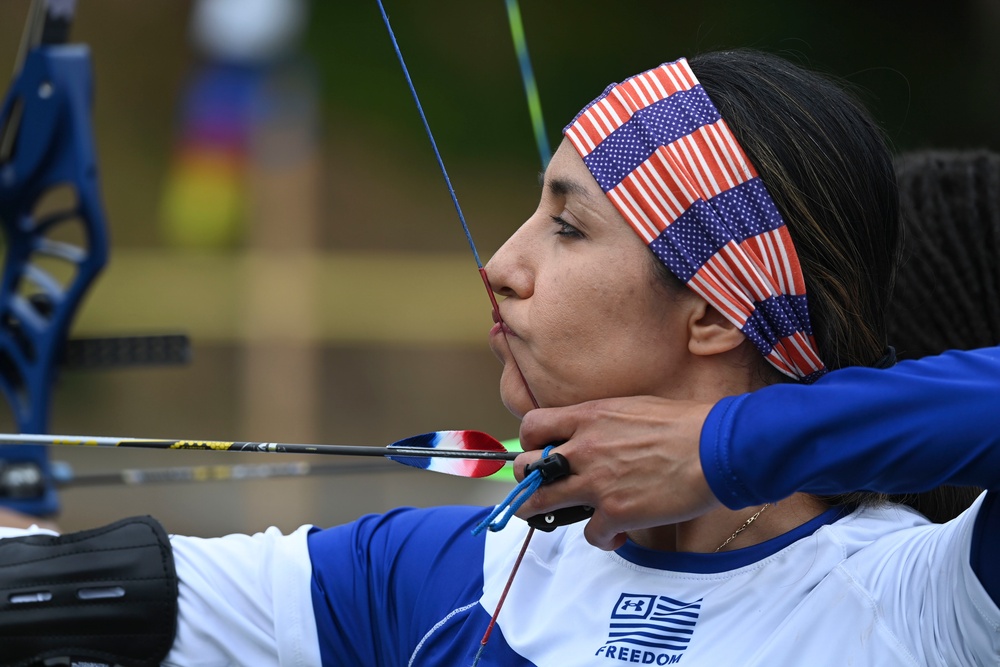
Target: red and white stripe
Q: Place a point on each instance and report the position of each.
(622, 102)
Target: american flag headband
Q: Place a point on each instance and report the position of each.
(666, 159)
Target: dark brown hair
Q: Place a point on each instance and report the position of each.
(948, 288)
(828, 168)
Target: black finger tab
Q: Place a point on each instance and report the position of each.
(552, 467)
(562, 517)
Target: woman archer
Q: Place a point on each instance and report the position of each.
(708, 233)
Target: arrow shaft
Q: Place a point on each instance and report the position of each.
(272, 447)
(216, 473)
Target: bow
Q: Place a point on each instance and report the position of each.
(52, 220)
(56, 245)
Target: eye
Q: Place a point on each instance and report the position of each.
(565, 229)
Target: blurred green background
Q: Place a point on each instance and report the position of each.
(343, 307)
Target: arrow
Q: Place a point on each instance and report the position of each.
(461, 453)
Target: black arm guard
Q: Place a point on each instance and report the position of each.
(106, 595)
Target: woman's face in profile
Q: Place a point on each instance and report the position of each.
(586, 315)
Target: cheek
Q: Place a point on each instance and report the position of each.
(597, 332)
(630, 341)
(587, 335)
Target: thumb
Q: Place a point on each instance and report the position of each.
(600, 534)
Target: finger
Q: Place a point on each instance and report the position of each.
(523, 461)
(543, 426)
(566, 492)
(600, 533)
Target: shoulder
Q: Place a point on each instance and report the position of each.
(441, 522)
(892, 527)
(894, 550)
(918, 579)
(411, 535)
(867, 526)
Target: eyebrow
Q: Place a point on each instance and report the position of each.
(563, 187)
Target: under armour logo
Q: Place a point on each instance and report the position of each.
(633, 606)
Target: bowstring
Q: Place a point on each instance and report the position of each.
(430, 135)
(517, 31)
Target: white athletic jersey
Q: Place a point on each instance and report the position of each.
(876, 587)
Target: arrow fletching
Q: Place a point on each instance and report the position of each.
(452, 441)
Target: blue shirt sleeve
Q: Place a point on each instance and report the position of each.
(377, 580)
(910, 428)
(907, 429)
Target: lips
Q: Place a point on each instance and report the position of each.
(501, 326)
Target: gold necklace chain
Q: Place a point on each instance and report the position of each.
(743, 527)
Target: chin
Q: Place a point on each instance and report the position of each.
(514, 396)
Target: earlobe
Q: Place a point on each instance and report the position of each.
(710, 333)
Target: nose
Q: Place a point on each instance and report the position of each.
(509, 270)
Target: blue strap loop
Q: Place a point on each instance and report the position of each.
(514, 500)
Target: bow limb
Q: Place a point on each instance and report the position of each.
(53, 222)
(528, 78)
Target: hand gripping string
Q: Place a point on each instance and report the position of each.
(514, 499)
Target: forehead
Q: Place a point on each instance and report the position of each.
(567, 175)
(569, 185)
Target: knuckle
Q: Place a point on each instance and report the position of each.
(590, 411)
(615, 508)
(528, 422)
(532, 431)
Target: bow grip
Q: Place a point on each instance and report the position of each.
(552, 467)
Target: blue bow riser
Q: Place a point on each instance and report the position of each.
(54, 149)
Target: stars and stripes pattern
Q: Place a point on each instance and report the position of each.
(664, 156)
(653, 621)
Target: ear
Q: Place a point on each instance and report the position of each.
(710, 333)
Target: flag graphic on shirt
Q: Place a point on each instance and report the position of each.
(653, 622)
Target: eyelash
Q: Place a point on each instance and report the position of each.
(565, 229)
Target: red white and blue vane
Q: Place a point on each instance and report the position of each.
(442, 443)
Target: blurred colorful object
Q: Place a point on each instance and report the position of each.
(246, 46)
(203, 205)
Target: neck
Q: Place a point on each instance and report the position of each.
(706, 533)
